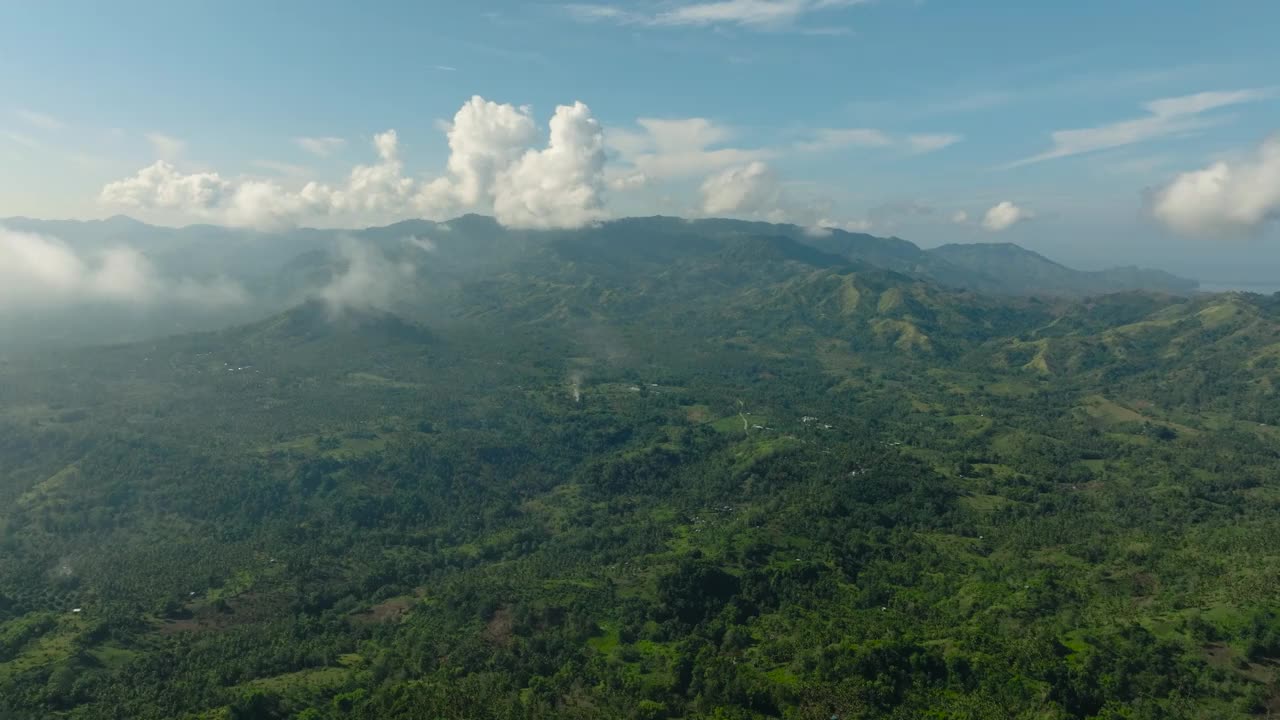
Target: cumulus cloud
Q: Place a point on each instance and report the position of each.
(960, 217)
(377, 188)
(38, 271)
(751, 189)
(320, 146)
(1165, 117)
(491, 167)
(248, 203)
(626, 180)
(367, 280)
(485, 138)
(162, 186)
(1226, 198)
(561, 185)
(1004, 216)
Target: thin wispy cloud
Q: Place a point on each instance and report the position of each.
(750, 14)
(930, 142)
(972, 102)
(832, 139)
(444, 68)
(672, 148)
(838, 138)
(20, 139)
(166, 147)
(320, 146)
(40, 120)
(1165, 117)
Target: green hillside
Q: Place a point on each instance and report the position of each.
(671, 470)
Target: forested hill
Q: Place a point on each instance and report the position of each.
(641, 474)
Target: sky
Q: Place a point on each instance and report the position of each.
(1097, 132)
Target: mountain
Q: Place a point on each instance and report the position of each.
(1023, 272)
(473, 241)
(654, 469)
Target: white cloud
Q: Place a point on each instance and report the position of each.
(675, 148)
(1226, 198)
(166, 147)
(320, 146)
(485, 138)
(40, 120)
(1004, 216)
(263, 203)
(626, 180)
(378, 189)
(823, 227)
(425, 244)
(834, 139)
(367, 280)
(930, 142)
(960, 217)
(444, 68)
(561, 185)
(830, 139)
(1165, 117)
(751, 189)
(247, 203)
(490, 168)
(753, 14)
(161, 186)
(38, 271)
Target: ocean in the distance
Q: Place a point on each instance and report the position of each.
(1260, 288)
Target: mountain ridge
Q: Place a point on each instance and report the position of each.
(986, 267)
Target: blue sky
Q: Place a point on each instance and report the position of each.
(894, 116)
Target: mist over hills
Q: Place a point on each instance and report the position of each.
(119, 279)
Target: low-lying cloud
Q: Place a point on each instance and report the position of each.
(755, 191)
(366, 280)
(38, 271)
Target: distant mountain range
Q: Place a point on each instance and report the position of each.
(282, 269)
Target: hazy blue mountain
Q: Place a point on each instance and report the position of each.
(1021, 271)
